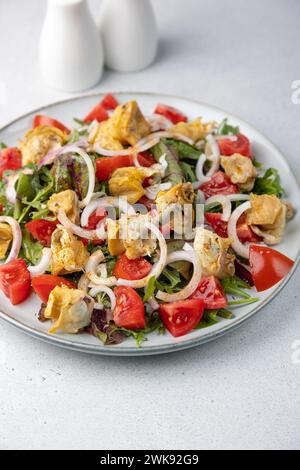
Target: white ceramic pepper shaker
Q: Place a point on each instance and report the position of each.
(71, 52)
(129, 33)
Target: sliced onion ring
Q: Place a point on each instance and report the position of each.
(225, 203)
(96, 290)
(17, 237)
(44, 263)
(97, 234)
(192, 257)
(240, 248)
(157, 267)
(91, 270)
(117, 202)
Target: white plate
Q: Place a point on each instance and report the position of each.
(24, 316)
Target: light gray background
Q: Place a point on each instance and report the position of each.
(241, 391)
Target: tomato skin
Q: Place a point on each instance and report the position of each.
(171, 113)
(42, 120)
(244, 232)
(109, 102)
(216, 222)
(98, 113)
(219, 184)
(10, 159)
(94, 220)
(211, 292)
(42, 230)
(241, 145)
(268, 266)
(129, 311)
(131, 269)
(105, 166)
(181, 317)
(15, 281)
(44, 284)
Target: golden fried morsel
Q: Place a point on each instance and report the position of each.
(66, 200)
(127, 236)
(267, 217)
(39, 141)
(195, 130)
(128, 181)
(69, 254)
(213, 252)
(69, 309)
(6, 237)
(240, 170)
(126, 126)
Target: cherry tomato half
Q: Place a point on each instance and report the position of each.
(41, 120)
(129, 311)
(219, 184)
(10, 159)
(131, 269)
(211, 292)
(42, 230)
(44, 284)
(173, 114)
(181, 317)
(268, 266)
(241, 145)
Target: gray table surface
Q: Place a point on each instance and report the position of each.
(241, 391)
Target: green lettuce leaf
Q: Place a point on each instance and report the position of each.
(269, 183)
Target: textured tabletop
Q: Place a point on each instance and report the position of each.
(241, 391)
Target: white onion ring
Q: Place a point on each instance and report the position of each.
(240, 248)
(10, 190)
(233, 138)
(83, 283)
(117, 202)
(159, 122)
(42, 266)
(192, 257)
(238, 197)
(98, 233)
(215, 157)
(225, 203)
(91, 270)
(96, 290)
(157, 267)
(199, 169)
(54, 153)
(17, 237)
(91, 171)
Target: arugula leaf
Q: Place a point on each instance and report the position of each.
(80, 122)
(234, 286)
(150, 289)
(209, 319)
(227, 129)
(189, 172)
(224, 313)
(31, 249)
(174, 172)
(3, 145)
(269, 184)
(249, 300)
(184, 150)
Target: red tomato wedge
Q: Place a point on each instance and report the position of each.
(173, 114)
(181, 317)
(211, 292)
(268, 266)
(94, 220)
(131, 269)
(99, 112)
(15, 281)
(129, 311)
(241, 145)
(105, 166)
(219, 184)
(44, 284)
(10, 159)
(42, 230)
(109, 102)
(244, 232)
(41, 120)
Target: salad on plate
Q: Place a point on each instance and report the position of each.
(129, 223)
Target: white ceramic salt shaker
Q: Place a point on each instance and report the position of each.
(71, 52)
(129, 33)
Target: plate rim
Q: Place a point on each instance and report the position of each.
(167, 348)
